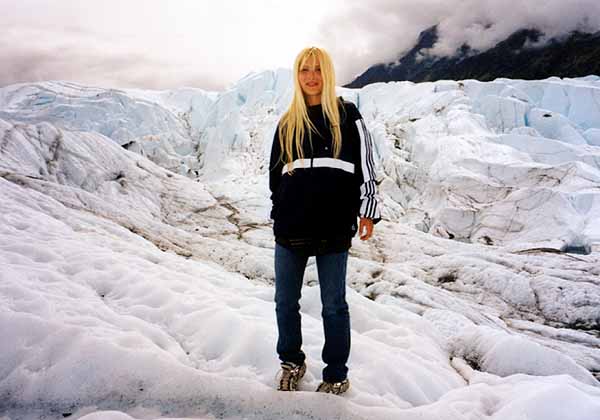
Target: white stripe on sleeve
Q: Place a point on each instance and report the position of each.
(369, 205)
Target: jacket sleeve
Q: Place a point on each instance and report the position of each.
(370, 204)
(275, 168)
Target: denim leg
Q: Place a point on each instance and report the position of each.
(289, 272)
(336, 317)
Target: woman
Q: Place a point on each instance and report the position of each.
(321, 177)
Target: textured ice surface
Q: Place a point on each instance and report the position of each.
(130, 291)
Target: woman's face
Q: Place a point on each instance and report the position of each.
(310, 77)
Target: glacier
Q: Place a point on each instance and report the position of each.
(137, 254)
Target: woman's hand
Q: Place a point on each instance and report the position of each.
(365, 224)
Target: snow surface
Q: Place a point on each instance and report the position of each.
(130, 288)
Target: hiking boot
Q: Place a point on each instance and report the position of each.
(291, 374)
(334, 387)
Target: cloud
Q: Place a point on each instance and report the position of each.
(78, 55)
(151, 43)
(163, 44)
(379, 31)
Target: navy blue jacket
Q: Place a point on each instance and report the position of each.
(324, 196)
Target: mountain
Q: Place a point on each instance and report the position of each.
(133, 288)
(573, 55)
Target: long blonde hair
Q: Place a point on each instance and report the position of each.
(295, 120)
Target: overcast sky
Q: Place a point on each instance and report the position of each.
(159, 44)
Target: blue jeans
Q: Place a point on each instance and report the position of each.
(289, 273)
